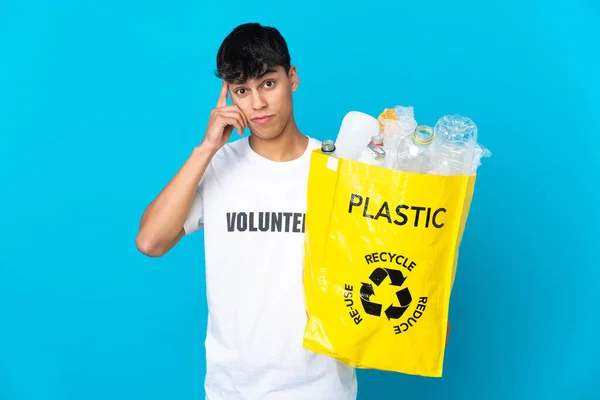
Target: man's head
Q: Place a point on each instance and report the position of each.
(255, 62)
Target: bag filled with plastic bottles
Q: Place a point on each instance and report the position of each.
(382, 240)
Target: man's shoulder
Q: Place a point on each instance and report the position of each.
(239, 149)
(241, 146)
(235, 145)
(233, 149)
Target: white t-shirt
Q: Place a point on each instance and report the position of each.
(252, 210)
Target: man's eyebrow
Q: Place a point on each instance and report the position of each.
(268, 71)
(240, 82)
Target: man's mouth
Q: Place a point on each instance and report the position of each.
(262, 119)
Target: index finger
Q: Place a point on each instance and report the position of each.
(222, 102)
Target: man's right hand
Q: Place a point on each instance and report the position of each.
(162, 224)
(223, 119)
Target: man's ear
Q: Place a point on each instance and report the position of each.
(293, 76)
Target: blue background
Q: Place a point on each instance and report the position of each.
(101, 102)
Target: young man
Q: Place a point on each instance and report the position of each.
(250, 197)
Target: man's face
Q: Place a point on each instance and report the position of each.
(266, 101)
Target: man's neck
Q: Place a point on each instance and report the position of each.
(288, 146)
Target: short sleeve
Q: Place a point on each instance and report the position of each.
(195, 217)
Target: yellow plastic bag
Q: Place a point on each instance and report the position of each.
(381, 248)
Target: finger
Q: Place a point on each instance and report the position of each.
(243, 117)
(235, 112)
(236, 108)
(222, 102)
(232, 119)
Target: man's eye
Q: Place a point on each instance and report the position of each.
(269, 84)
(241, 92)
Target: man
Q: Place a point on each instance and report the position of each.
(250, 197)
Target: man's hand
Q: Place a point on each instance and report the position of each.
(162, 223)
(223, 119)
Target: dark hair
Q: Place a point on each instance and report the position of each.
(250, 51)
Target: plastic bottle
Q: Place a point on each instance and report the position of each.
(480, 152)
(356, 131)
(377, 140)
(415, 151)
(396, 124)
(455, 145)
(328, 148)
(373, 154)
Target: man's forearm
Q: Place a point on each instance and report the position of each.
(161, 225)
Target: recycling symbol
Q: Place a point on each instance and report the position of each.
(403, 296)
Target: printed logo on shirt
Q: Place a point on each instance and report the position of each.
(265, 222)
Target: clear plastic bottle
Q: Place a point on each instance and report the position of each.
(328, 148)
(454, 146)
(415, 151)
(480, 152)
(396, 124)
(377, 140)
(373, 154)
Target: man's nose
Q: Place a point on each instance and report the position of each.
(258, 102)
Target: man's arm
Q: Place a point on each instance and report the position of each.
(161, 226)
